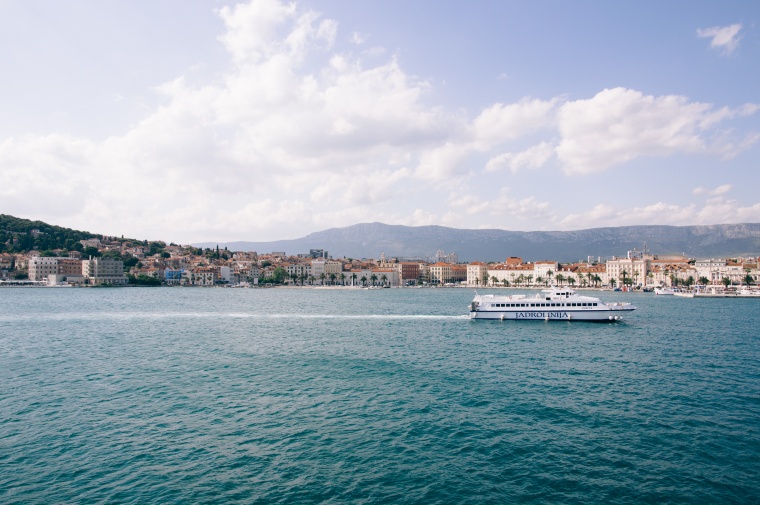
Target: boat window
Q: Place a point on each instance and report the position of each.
(594, 304)
(584, 304)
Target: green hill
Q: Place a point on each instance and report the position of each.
(21, 235)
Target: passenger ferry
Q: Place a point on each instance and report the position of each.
(555, 304)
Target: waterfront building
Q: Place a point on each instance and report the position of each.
(69, 267)
(475, 273)
(40, 267)
(440, 273)
(408, 271)
(104, 271)
(545, 270)
(385, 276)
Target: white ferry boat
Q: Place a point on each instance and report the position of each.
(664, 291)
(555, 304)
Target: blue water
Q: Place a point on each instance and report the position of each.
(182, 395)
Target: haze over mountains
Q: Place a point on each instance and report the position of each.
(369, 240)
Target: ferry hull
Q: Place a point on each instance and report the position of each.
(554, 315)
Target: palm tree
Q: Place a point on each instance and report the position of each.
(485, 278)
(332, 278)
(571, 280)
(364, 280)
(530, 279)
(311, 280)
(623, 274)
(704, 281)
(494, 280)
(748, 279)
(343, 278)
(505, 282)
(373, 278)
(520, 279)
(539, 280)
(549, 276)
(353, 278)
(726, 281)
(560, 279)
(383, 279)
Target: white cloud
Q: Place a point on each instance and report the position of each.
(720, 190)
(531, 158)
(504, 205)
(715, 211)
(618, 125)
(722, 37)
(358, 38)
(501, 122)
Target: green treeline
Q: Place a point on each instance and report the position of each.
(17, 236)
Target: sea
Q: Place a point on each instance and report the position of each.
(297, 395)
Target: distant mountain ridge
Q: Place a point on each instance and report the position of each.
(369, 240)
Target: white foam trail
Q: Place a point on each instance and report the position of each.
(123, 316)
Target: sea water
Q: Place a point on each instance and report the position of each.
(194, 395)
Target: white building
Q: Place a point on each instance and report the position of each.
(100, 271)
(40, 268)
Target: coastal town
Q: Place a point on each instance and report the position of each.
(108, 261)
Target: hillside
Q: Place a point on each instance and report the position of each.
(21, 235)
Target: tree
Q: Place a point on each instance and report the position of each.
(549, 276)
(343, 278)
(353, 278)
(689, 281)
(383, 279)
(623, 275)
(571, 280)
(279, 275)
(748, 279)
(560, 279)
(726, 281)
(311, 280)
(91, 251)
(485, 278)
(332, 278)
(539, 280)
(494, 280)
(505, 282)
(704, 281)
(322, 277)
(373, 278)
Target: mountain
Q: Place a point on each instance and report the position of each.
(368, 240)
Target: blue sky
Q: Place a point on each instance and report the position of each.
(262, 120)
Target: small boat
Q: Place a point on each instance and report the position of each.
(664, 291)
(554, 304)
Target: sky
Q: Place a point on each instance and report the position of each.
(194, 121)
